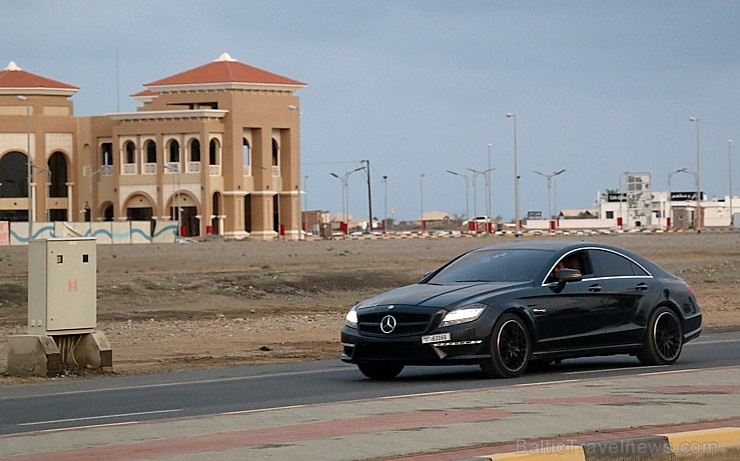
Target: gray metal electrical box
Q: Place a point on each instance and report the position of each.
(62, 284)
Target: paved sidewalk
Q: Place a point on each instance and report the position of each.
(451, 425)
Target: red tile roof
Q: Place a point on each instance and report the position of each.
(225, 70)
(144, 93)
(15, 77)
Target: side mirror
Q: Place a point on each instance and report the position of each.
(567, 275)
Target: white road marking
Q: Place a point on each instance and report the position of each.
(88, 418)
(181, 383)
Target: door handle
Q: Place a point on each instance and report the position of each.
(641, 287)
(594, 288)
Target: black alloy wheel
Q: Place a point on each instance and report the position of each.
(511, 348)
(380, 370)
(664, 338)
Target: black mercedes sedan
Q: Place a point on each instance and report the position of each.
(505, 307)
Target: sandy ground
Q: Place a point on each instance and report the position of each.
(219, 303)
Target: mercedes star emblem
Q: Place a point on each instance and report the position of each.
(388, 324)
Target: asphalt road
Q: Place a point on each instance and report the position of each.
(95, 402)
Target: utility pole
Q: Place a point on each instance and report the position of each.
(369, 199)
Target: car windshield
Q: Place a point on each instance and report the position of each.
(499, 265)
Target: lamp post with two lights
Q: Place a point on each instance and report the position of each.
(345, 192)
(467, 188)
(517, 225)
(29, 162)
(697, 178)
(549, 178)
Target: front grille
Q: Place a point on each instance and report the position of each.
(407, 323)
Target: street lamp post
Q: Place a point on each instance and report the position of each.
(385, 202)
(549, 178)
(670, 194)
(489, 203)
(29, 162)
(369, 199)
(729, 161)
(516, 176)
(467, 188)
(46, 189)
(305, 192)
(421, 200)
(475, 192)
(697, 224)
(476, 173)
(176, 198)
(102, 170)
(345, 189)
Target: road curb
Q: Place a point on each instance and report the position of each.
(706, 441)
(659, 447)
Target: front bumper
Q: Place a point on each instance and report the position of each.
(467, 345)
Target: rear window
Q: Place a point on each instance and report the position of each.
(517, 265)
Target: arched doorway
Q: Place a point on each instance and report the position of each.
(248, 213)
(13, 184)
(184, 206)
(216, 207)
(57, 178)
(139, 207)
(108, 214)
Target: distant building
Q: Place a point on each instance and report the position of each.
(219, 142)
(578, 213)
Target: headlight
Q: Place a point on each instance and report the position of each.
(351, 318)
(463, 315)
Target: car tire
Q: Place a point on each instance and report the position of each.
(511, 348)
(663, 338)
(380, 370)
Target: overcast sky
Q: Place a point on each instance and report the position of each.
(421, 87)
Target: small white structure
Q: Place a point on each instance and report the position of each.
(62, 311)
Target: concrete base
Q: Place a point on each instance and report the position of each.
(93, 351)
(42, 355)
(33, 355)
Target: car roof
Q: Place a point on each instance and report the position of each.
(546, 244)
(567, 245)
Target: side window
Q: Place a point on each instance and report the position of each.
(577, 260)
(608, 264)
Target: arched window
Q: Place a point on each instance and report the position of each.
(275, 153)
(213, 152)
(174, 151)
(58, 175)
(130, 151)
(246, 152)
(194, 150)
(151, 151)
(13, 175)
(106, 154)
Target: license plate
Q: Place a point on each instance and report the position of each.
(435, 338)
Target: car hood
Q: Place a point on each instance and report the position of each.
(429, 295)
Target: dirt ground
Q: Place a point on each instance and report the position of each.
(167, 307)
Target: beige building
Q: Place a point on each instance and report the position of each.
(219, 143)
